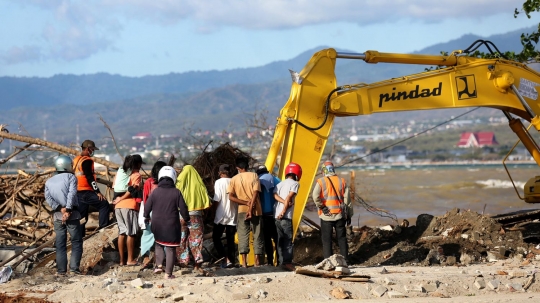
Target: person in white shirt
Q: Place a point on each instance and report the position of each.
(225, 219)
(285, 193)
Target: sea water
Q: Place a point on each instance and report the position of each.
(410, 191)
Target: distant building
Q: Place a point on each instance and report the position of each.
(142, 136)
(477, 139)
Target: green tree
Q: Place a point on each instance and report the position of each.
(529, 41)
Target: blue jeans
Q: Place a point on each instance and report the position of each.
(73, 228)
(285, 245)
(89, 198)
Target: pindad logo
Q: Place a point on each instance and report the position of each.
(413, 94)
(466, 87)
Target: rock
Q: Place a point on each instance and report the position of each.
(423, 221)
(465, 259)
(384, 271)
(161, 293)
(261, 294)
(396, 295)
(114, 287)
(332, 262)
(239, 296)
(493, 284)
(491, 257)
(429, 287)
(340, 293)
(138, 283)
(450, 261)
(343, 270)
(413, 288)
(379, 291)
(389, 281)
(480, 284)
(180, 296)
(514, 286)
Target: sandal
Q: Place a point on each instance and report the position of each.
(158, 270)
(171, 276)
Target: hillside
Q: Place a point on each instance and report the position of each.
(213, 100)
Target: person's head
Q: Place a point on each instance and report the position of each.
(167, 172)
(155, 170)
(261, 170)
(63, 164)
(136, 162)
(242, 164)
(294, 171)
(224, 171)
(328, 168)
(88, 148)
(127, 163)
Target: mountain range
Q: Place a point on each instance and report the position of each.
(179, 102)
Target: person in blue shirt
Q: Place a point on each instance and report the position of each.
(61, 195)
(268, 183)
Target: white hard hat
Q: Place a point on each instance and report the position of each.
(63, 164)
(167, 171)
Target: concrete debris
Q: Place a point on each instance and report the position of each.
(379, 291)
(332, 262)
(480, 284)
(340, 293)
(396, 295)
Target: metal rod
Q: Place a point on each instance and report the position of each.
(360, 56)
(523, 102)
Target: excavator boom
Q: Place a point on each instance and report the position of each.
(306, 120)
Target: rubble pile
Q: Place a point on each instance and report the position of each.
(24, 213)
(458, 237)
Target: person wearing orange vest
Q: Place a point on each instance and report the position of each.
(331, 195)
(87, 190)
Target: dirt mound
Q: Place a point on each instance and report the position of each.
(456, 237)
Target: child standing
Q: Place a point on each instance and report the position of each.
(285, 192)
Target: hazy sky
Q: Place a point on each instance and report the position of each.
(152, 37)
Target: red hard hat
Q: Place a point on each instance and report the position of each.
(294, 168)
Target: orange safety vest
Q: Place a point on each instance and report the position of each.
(82, 182)
(328, 196)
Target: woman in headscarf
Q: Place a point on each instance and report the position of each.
(189, 182)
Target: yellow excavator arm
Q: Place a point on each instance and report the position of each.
(306, 120)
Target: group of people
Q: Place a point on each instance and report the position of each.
(168, 207)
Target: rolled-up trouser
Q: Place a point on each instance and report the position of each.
(244, 227)
(73, 228)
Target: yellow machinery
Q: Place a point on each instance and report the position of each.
(306, 120)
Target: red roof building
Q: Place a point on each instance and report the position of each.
(478, 139)
(142, 136)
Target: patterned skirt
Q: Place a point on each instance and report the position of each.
(192, 240)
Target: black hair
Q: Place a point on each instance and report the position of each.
(127, 163)
(242, 163)
(155, 170)
(132, 162)
(295, 177)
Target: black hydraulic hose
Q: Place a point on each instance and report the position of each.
(326, 105)
(476, 44)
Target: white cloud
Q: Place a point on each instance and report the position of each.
(78, 29)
